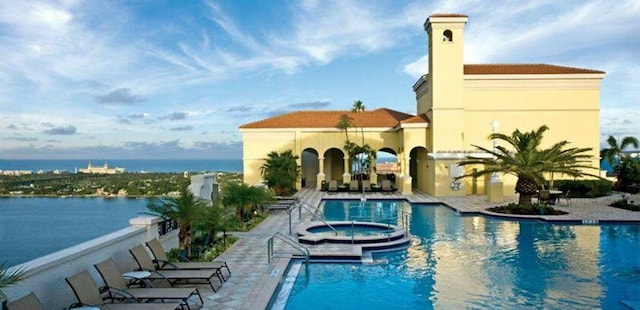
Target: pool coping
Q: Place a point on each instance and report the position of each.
(462, 212)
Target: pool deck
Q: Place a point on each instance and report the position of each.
(254, 280)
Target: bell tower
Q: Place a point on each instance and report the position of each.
(445, 106)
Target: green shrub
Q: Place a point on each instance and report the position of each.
(625, 204)
(527, 209)
(585, 188)
(218, 248)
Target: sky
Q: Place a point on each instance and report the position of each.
(174, 79)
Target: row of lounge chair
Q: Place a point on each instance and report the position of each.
(126, 291)
(282, 203)
(354, 186)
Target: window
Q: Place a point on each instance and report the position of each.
(447, 36)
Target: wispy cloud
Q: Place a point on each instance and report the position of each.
(20, 138)
(63, 130)
(314, 105)
(119, 96)
(175, 116)
(182, 128)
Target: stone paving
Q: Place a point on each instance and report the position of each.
(253, 279)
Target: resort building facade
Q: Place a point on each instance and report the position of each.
(457, 106)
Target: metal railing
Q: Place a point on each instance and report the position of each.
(167, 226)
(401, 217)
(303, 205)
(297, 246)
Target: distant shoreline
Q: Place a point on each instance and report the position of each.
(82, 196)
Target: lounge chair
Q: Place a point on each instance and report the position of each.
(386, 186)
(162, 262)
(333, 186)
(353, 186)
(281, 205)
(29, 302)
(173, 276)
(366, 185)
(88, 294)
(116, 287)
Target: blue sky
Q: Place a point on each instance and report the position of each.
(175, 79)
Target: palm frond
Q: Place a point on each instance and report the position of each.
(9, 276)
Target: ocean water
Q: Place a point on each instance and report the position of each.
(34, 227)
(130, 165)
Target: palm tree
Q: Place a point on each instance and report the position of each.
(528, 162)
(280, 171)
(245, 198)
(344, 123)
(358, 106)
(185, 209)
(216, 218)
(8, 276)
(614, 152)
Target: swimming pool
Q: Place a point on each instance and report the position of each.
(479, 262)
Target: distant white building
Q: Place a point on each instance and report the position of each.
(101, 169)
(204, 186)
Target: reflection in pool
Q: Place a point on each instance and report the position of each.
(480, 262)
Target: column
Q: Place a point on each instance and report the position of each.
(405, 179)
(346, 177)
(320, 177)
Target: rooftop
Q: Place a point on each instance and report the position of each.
(524, 69)
(377, 118)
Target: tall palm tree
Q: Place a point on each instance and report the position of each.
(245, 198)
(344, 123)
(528, 162)
(358, 106)
(185, 209)
(281, 171)
(614, 152)
(8, 276)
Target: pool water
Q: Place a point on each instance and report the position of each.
(480, 262)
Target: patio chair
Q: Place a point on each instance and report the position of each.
(353, 185)
(567, 198)
(366, 185)
(545, 197)
(173, 276)
(386, 186)
(88, 294)
(29, 302)
(162, 262)
(116, 287)
(333, 186)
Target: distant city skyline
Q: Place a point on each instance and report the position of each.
(175, 79)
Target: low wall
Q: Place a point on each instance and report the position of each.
(45, 275)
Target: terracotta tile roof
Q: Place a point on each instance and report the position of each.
(523, 69)
(322, 119)
(447, 15)
(422, 118)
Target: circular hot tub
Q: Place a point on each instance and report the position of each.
(317, 232)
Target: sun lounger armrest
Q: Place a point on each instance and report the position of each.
(162, 264)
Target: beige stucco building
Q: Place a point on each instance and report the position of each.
(458, 105)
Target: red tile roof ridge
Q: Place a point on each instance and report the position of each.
(524, 68)
(381, 117)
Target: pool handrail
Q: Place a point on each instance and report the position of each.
(303, 205)
(297, 246)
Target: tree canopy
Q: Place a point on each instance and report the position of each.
(521, 155)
